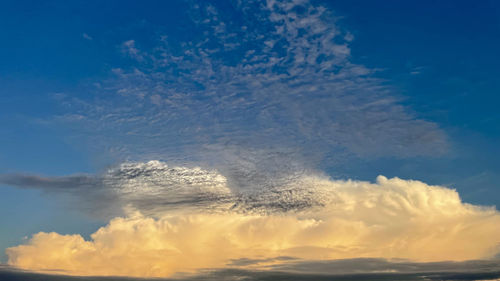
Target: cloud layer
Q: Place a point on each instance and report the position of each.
(366, 269)
(313, 219)
(246, 87)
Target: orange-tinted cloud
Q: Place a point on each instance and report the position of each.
(391, 218)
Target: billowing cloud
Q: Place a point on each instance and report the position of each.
(391, 218)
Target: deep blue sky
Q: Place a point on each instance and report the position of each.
(439, 59)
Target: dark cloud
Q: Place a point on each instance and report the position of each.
(149, 187)
(86, 193)
(246, 261)
(371, 265)
(64, 183)
(10, 274)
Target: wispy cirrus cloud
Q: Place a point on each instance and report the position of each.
(276, 80)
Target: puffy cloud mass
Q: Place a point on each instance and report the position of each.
(391, 218)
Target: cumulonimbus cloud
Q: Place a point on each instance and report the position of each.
(391, 218)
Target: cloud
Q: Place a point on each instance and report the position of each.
(87, 37)
(152, 187)
(377, 265)
(55, 183)
(129, 48)
(455, 272)
(275, 84)
(391, 218)
(264, 100)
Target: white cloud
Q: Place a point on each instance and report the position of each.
(281, 78)
(130, 49)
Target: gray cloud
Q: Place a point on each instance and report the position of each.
(64, 183)
(444, 271)
(149, 187)
(247, 261)
(87, 193)
(154, 187)
(375, 265)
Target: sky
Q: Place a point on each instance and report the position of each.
(242, 139)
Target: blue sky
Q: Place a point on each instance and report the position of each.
(395, 88)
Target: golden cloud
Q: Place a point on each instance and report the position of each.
(392, 218)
